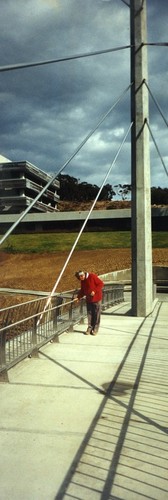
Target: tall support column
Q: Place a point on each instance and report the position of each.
(142, 286)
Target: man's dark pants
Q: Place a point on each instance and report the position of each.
(93, 314)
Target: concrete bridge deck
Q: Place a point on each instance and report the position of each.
(87, 420)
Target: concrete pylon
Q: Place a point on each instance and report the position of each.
(142, 283)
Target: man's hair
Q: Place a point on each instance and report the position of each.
(79, 273)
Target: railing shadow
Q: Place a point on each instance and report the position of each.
(123, 452)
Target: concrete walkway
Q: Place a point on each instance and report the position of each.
(87, 420)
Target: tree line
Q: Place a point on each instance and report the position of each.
(71, 189)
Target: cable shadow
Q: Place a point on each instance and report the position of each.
(118, 330)
(82, 379)
(139, 414)
(52, 386)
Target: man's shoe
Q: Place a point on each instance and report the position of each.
(88, 331)
(94, 332)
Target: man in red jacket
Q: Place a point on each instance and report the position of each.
(91, 288)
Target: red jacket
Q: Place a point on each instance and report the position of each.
(91, 284)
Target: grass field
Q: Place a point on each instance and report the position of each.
(53, 242)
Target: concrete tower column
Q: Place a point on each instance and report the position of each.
(142, 286)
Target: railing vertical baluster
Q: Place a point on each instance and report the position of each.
(34, 327)
(56, 312)
(70, 329)
(2, 351)
(3, 373)
(34, 331)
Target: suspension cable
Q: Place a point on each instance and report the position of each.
(12, 67)
(83, 225)
(157, 105)
(156, 146)
(157, 44)
(62, 168)
(124, 1)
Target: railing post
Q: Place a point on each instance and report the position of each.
(35, 353)
(104, 299)
(2, 350)
(57, 302)
(34, 331)
(4, 376)
(70, 329)
(3, 373)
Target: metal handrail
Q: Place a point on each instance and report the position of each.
(21, 333)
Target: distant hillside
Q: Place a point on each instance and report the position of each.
(76, 206)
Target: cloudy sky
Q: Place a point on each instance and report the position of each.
(47, 111)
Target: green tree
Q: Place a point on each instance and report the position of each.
(71, 189)
(159, 196)
(107, 193)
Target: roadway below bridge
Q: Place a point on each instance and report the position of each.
(116, 219)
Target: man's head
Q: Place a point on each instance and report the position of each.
(80, 275)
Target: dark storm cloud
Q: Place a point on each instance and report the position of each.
(47, 111)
